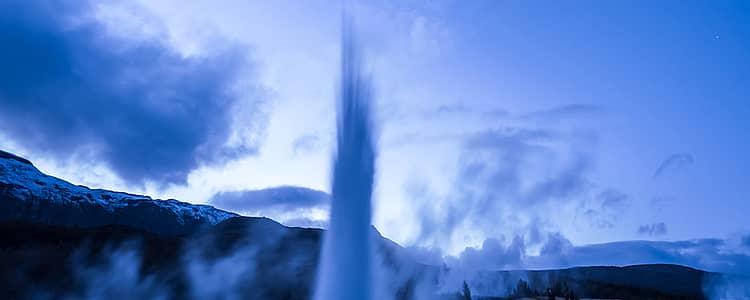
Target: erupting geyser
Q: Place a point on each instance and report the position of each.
(344, 271)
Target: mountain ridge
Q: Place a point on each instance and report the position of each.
(29, 195)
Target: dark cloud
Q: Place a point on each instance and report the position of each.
(673, 162)
(285, 198)
(654, 229)
(68, 88)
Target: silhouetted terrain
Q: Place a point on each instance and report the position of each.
(631, 282)
(137, 247)
(42, 257)
(48, 258)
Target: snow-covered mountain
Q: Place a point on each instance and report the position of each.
(28, 195)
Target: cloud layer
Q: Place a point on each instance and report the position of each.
(272, 199)
(290, 205)
(714, 255)
(70, 88)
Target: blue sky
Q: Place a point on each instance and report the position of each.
(597, 121)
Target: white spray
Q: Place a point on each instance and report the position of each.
(345, 265)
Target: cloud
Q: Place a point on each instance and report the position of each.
(290, 205)
(554, 114)
(705, 254)
(306, 144)
(654, 229)
(71, 88)
(493, 255)
(557, 252)
(569, 111)
(673, 163)
(282, 198)
(506, 180)
(604, 208)
(714, 255)
(499, 159)
(745, 240)
(556, 244)
(453, 108)
(462, 110)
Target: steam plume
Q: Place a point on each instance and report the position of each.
(344, 271)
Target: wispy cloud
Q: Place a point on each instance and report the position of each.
(604, 208)
(507, 180)
(673, 163)
(569, 111)
(654, 229)
(553, 114)
(306, 144)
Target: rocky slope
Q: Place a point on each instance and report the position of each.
(28, 195)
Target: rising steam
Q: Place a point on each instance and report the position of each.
(344, 271)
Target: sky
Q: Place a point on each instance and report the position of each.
(554, 124)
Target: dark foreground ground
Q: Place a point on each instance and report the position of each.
(52, 262)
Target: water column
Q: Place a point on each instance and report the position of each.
(344, 270)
